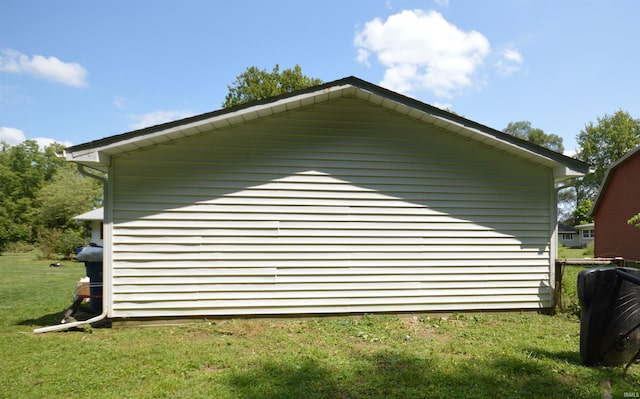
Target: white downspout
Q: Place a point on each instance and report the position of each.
(101, 316)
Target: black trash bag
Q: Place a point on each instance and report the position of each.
(610, 318)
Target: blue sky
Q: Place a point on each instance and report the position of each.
(76, 71)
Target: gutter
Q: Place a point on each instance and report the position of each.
(101, 316)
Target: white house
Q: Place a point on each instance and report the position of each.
(567, 235)
(344, 197)
(586, 234)
(94, 219)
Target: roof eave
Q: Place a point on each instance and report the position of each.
(99, 152)
(562, 173)
(93, 158)
(96, 214)
(564, 167)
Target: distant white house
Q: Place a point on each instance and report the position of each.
(94, 218)
(568, 236)
(586, 234)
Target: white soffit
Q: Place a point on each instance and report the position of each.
(225, 119)
(101, 153)
(457, 128)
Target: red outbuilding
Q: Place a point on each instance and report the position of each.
(617, 201)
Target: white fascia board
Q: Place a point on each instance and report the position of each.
(562, 173)
(88, 157)
(459, 128)
(226, 119)
(490, 140)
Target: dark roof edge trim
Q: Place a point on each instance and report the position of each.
(575, 164)
(358, 83)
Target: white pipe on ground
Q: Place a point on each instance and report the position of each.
(65, 326)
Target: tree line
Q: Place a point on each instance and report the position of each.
(600, 144)
(40, 192)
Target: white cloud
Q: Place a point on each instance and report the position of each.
(49, 68)
(421, 50)
(363, 57)
(120, 102)
(44, 142)
(156, 118)
(513, 55)
(510, 62)
(11, 135)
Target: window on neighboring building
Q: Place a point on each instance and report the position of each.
(567, 236)
(587, 233)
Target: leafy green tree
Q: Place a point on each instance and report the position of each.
(24, 169)
(255, 84)
(581, 213)
(524, 131)
(601, 144)
(66, 195)
(635, 220)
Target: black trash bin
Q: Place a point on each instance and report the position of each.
(610, 318)
(94, 272)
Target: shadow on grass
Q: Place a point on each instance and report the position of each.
(564, 356)
(45, 320)
(394, 375)
(56, 317)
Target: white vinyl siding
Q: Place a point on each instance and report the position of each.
(342, 207)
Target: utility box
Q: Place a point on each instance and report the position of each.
(94, 272)
(92, 257)
(610, 318)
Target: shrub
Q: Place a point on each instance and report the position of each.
(54, 243)
(20, 247)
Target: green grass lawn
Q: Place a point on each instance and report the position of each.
(474, 355)
(566, 252)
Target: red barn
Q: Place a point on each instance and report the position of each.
(617, 201)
